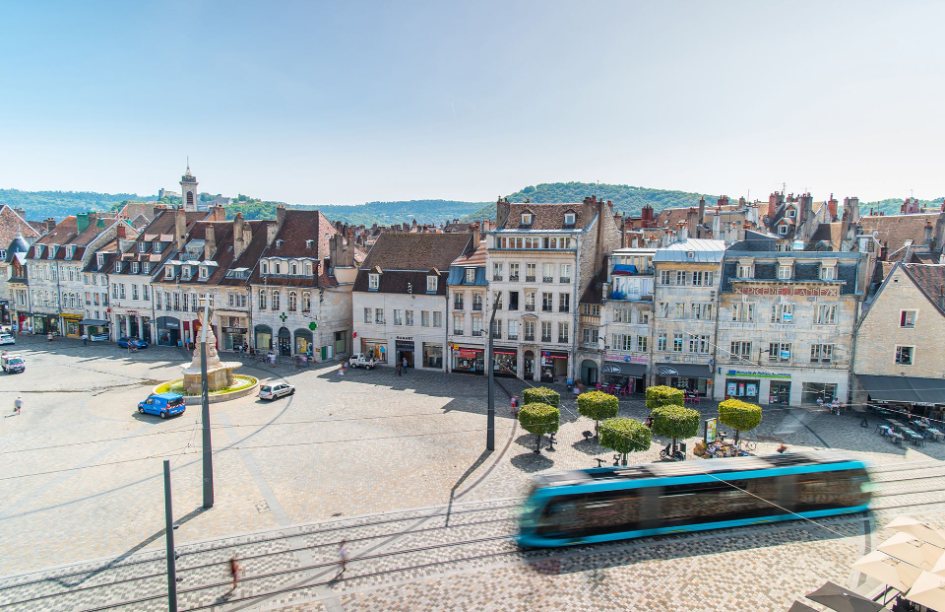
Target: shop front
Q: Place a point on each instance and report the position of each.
(405, 350)
(376, 348)
(817, 393)
(263, 337)
(93, 327)
(234, 333)
(70, 325)
(468, 359)
(303, 342)
(590, 372)
(623, 373)
(694, 378)
(747, 390)
(284, 342)
(168, 331)
(528, 365)
(915, 395)
(433, 355)
(146, 329)
(505, 361)
(780, 392)
(554, 366)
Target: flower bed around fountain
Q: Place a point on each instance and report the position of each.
(241, 387)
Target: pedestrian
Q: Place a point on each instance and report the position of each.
(235, 570)
(343, 556)
(85, 339)
(405, 365)
(49, 338)
(399, 369)
(18, 404)
(514, 405)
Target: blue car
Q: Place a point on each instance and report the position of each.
(163, 404)
(125, 342)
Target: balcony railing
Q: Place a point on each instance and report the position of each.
(457, 332)
(546, 338)
(529, 279)
(562, 340)
(564, 309)
(565, 279)
(477, 306)
(496, 335)
(530, 307)
(529, 337)
(477, 332)
(496, 277)
(547, 308)
(513, 336)
(547, 279)
(512, 277)
(457, 305)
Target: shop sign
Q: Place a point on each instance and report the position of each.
(550, 355)
(786, 290)
(132, 312)
(409, 338)
(756, 374)
(234, 330)
(627, 358)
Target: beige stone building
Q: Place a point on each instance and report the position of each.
(898, 356)
(785, 324)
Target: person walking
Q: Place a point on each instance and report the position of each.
(343, 557)
(235, 569)
(405, 365)
(18, 404)
(85, 339)
(49, 338)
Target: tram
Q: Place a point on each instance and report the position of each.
(616, 503)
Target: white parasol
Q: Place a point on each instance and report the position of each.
(918, 529)
(929, 591)
(913, 551)
(897, 574)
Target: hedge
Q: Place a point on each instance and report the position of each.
(624, 436)
(598, 406)
(740, 416)
(676, 422)
(661, 395)
(541, 395)
(539, 419)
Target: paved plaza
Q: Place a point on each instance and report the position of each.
(393, 464)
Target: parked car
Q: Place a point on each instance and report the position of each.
(125, 342)
(360, 360)
(271, 392)
(99, 337)
(11, 363)
(7, 339)
(163, 404)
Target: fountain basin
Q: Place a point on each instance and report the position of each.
(241, 387)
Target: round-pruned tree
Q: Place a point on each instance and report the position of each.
(539, 419)
(541, 395)
(675, 422)
(624, 436)
(740, 416)
(661, 395)
(598, 406)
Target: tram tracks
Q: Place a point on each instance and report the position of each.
(478, 535)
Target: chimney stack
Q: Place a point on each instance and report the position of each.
(280, 216)
(884, 252)
(475, 236)
(50, 224)
(120, 230)
(209, 242)
(180, 228)
(238, 245)
(832, 208)
(928, 233)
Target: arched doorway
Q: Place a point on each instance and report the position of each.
(303, 342)
(263, 338)
(285, 342)
(589, 372)
(529, 366)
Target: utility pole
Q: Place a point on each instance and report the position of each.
(205, 410)
(169, 540)
(490, 420)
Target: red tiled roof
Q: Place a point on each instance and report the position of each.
(13, 225)
(546, 216)
(421, 252)
(475, 258)
(895, 230)
(930, 279)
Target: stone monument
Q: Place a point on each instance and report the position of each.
(219, 373)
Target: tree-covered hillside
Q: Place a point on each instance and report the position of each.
(59, 204)
(382, 213)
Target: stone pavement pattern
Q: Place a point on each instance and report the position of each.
(368, 443)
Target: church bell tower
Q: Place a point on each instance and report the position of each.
(188, 190)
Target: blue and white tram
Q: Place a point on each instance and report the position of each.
(605, 504)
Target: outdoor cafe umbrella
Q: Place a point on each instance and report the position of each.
(929, 591)
(897, 574)
(840, 599)
(918, 529)
(800, 607)
(913, 551)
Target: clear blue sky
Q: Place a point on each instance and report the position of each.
(345, 102)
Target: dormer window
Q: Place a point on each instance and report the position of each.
(277, 267)
(527, 218)
(785, 272)
(186, 273)
(155, 247)
(70, 252)
(828, 273)
(470, 275)
(146, 267)
(169, 272)
(279, 243)
(264, 267)
(100, 259)
(134, 267)
(569, 218)
(204, 273)
(52, 252)
(431, 284)
(308, 268)
(117, 267)
(782, 229)
(294, 268)
(142, 247)
(790, 213)
(309, 244)
(745, 271)
(374, 281)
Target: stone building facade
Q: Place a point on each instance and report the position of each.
(687, 276)
(468, 292)
(785, 324)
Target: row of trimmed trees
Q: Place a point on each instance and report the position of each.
(540, 415)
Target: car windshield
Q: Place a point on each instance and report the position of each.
(15, 361)
(265, 388)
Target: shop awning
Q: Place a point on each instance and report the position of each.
(684, 370)
(98, 322)
(616, 368)
(904, 389)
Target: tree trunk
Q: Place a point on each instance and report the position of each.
(674, 447)
(538, 445)
(736, 437)
(596, 430)
(624, 460)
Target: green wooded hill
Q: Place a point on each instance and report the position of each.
(627, 199)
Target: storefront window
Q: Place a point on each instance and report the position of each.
(742, 389)
(505, 361)
(468, 360)
(374, 348)
(780, 393)
(811, 392)
(432, 355)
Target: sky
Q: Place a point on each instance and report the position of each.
(345, 102)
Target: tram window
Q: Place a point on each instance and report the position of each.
(591, 514)
(829, 490)
(709, 502)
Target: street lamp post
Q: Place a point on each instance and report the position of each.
(490, 419)
(205, 410)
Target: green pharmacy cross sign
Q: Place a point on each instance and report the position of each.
(283, 317)
(313, 326)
